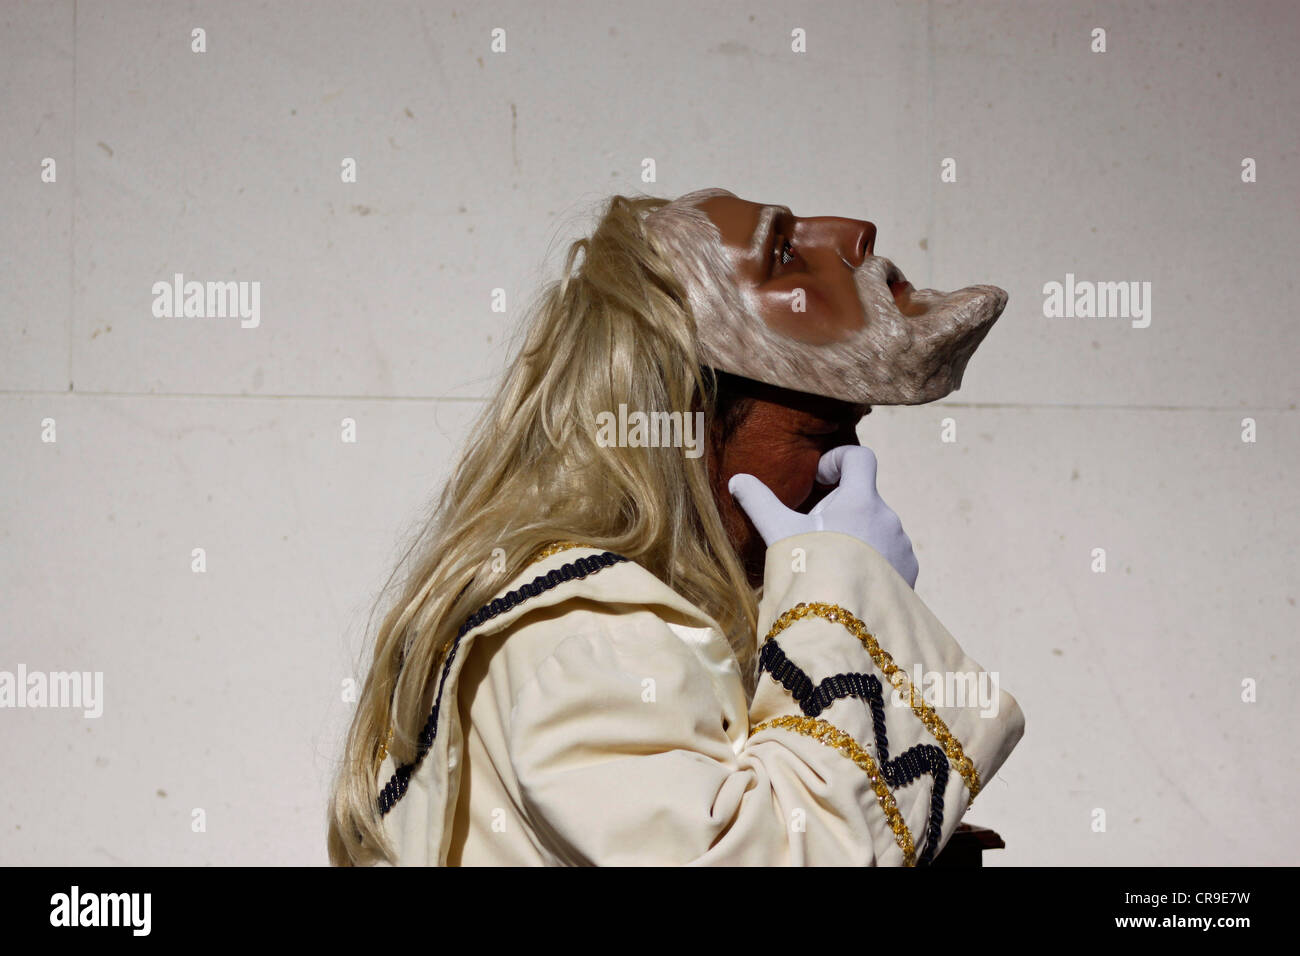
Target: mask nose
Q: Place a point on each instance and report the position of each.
(859, 241)
(870, 244)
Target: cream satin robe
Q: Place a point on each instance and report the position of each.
(601, 720)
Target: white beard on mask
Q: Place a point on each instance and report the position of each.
(904, 353)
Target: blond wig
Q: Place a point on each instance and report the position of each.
(615, 328)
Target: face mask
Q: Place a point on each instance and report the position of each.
(904, 351)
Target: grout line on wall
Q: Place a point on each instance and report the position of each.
(222, 396)
(15, 392)
(930, 138)
(72, 207)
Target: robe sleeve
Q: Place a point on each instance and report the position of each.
(852, 752)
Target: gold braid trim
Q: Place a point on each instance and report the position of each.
(896, 675)
(383, 748)
(833, 737)
(556, 547)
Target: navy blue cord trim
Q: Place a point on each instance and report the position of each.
(913, 763)
(395, 789)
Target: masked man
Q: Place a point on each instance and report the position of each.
(660, 614)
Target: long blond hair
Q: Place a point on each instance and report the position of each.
(616, 329)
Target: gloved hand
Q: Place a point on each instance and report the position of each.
(854, 508)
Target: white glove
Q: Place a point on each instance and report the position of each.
(854, 508)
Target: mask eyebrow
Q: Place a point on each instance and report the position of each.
(760, 250)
